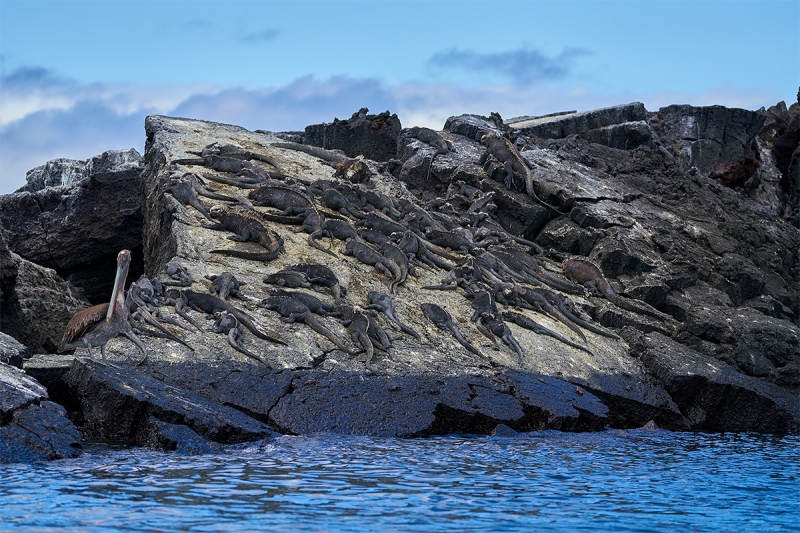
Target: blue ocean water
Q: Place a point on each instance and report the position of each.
(613, 481)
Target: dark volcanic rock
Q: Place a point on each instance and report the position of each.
(716, 140)
(474, 127)
(753, 343)
(32, 428)
(423, 405)
(626, 136)
(373, 136)
(160, 435)
(119, 404)
(11, 351)
(712, 395)
(8, 270)
(39, 306)
(78, 229)
(560, 126)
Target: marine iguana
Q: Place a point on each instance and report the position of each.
(139, 298)
(491, 326)
(224, 285)
(379, 201)
(507, 154)
(333, 199)
(248, 227)
(567, 308)
(367, 255)
(293, 310)
(533, 300)
(186, 189)
(286, 199)
(449, 239)
(383, 303)
(338, 229)
(97, 325)
(225, 322)
(412, 244)
(357, 325)
(590, 276)
(321, 276)
(379, 338)
(226, 158)
(288, 279)
(179, 274)
(393, 253)
(343, 165)
(432, 139)
(444, 321)
(373, 236)
(525, 264)
(314, 304)
(528, 323)
(380, 222)
(208, 304)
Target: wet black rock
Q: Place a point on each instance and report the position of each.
(714, 396)
(422, 405)
(120, 404)
(31, 427)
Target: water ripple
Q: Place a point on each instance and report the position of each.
(547, 481)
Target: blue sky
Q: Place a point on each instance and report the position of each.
(78, 78)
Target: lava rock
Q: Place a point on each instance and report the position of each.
(118, 404)
(78, 229)
(716, 140)
(11, 351)
(373, 136)
(712, 395)
(31, 427)
(39, 307)
(560, 126)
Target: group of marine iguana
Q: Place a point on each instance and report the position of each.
(457, 235)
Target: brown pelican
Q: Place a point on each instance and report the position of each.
(99, 324)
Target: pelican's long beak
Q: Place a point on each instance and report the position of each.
(117, 282)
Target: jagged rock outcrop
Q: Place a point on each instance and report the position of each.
(372, 136)
(624, 126)
(712, 394)
(75, 221)
(11, 351)
(119, 404)
(718, 142)
(36, 310)
(32, 428)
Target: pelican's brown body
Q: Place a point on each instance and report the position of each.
(99, 324)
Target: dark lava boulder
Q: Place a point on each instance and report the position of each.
(372, 136)
(716, 140)
(31, 427)
(39, 305)
(602, 120)
(714, 396)
(78, 228)
(120, 404)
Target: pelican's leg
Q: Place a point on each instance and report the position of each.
(102, 351)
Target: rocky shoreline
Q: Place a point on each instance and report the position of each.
(610, 268)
